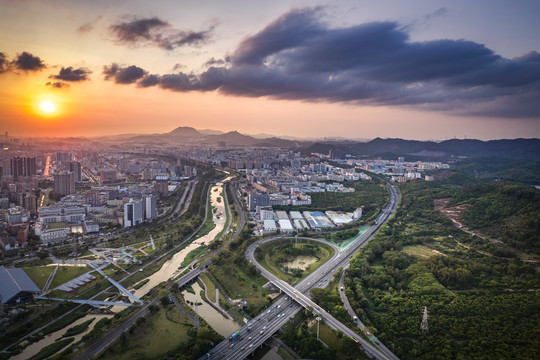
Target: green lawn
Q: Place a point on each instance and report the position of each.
(154, 337)
(58, 225)
(39, 275)
(239, 284)
(324, 253)
(66, 273)
(342, 245)
(420, 251)
(210, 286)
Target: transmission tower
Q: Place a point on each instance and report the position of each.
(424, 326)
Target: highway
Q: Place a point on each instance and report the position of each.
(259, 329)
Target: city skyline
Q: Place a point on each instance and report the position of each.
(421, 70)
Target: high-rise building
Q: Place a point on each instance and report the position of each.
(336, 154)
(64, 156)
(150, 210)
(161, 188)
(64, 183)
(30, 203)
(133, 213)
(23, 167)
(76, 169)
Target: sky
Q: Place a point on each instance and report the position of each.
(416, 69)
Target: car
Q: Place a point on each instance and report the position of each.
(279, 306)
(278, 316)
(283, 314)
(250, 345)
(268, 312)
(232, 345)
(264, 327)
(242, 348)
(261, 332)
(249, 338)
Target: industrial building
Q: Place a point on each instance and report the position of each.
(269, 226)
(285, 226)
(16, 287)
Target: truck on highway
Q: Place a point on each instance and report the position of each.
(234, 336)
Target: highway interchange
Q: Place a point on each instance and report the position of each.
(263, 326)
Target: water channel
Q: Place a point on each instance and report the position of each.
(167, 271)
(172, 267)
(218, 322)
(36, 347)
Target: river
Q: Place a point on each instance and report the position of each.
(171, 267)
(218, 322)
(168, 270)
(34, 348)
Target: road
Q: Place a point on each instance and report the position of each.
(113, 335)
(257, 331)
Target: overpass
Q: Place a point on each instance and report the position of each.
(257, 331)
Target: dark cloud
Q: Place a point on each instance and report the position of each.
(297, 57)
(70, 74)
(57, 84)
(123, 75)
(288, 31)
(156, 32)
(4, 63)
(147, 81)
(28, 62)
(213, 61)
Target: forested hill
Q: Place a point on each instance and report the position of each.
(506, 212)
(481, 295)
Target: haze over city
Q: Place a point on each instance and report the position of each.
(355, 69)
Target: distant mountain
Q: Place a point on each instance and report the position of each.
(234, 138)
(211, 132)
(413, 149)
(527, 149)
(185, 131)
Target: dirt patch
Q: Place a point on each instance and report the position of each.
(453, 213)
(440, 204)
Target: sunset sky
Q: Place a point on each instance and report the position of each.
(416, 69)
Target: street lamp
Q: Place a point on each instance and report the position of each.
(318, 318)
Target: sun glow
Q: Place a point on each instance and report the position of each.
(47, 106)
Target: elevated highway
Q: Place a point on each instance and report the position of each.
(259, 329)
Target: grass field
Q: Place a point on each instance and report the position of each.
(342, 245)
(66, 273)
(154, 337)
(210, 286)
(238, 284)
(420, 251)
(326, 334)
(39, 275)
(324, 253)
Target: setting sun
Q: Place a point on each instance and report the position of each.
(47, 106)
